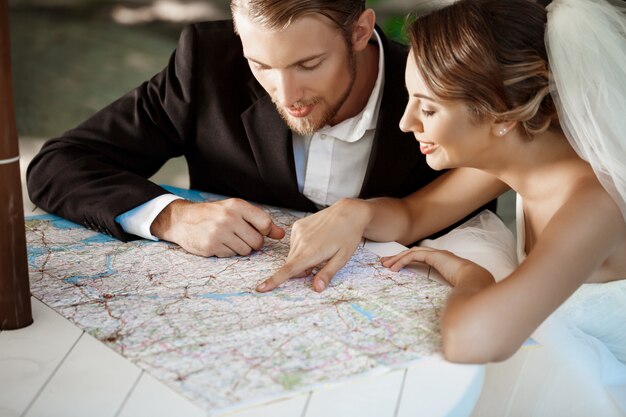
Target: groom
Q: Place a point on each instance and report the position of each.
(293, 103)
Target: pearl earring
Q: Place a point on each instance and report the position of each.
(502, 132)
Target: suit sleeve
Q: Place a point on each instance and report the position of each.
(98, 170)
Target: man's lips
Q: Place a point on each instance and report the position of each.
(427, 147)
(300, 111)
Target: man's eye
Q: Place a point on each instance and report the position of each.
(258, 67)
(310, 67)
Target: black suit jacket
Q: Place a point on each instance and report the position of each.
(207, 106)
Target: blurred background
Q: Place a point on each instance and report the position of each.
(70, 58)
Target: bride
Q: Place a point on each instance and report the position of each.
(501, 108)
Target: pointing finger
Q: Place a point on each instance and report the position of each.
(283, 274)
(324, 275)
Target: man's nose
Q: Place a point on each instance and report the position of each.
(287, 89)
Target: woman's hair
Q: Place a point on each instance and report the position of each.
(278, 14)
(490, 54)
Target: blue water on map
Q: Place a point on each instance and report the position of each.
(367, 314)
(56, 221)
(225, 296)
(34, 254)
(99, 238)
(109, 271)
(63, 224)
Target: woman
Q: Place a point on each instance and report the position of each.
(481, 102)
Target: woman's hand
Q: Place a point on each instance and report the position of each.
(451, 267)
(330, 236)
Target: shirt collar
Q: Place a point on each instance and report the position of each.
(353, 129)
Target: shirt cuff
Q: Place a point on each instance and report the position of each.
(138, 220)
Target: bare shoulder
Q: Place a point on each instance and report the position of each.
(604, 217)
(589, 198)
(590, 217)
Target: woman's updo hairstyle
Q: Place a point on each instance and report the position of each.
(490, 54)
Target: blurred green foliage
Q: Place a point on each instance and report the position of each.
(395, 28)
(395, 21)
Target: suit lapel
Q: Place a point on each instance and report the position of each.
(393, 153)
(270, 140)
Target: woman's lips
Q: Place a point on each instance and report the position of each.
(427, 148)
(300, 111)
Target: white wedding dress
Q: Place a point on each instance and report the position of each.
(578, 367)
(589, 329)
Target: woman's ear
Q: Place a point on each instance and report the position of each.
(363, 29)
(502, 127)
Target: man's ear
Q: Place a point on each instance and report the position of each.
(363, 29)
(502, 127)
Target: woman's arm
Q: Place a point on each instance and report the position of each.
(333, 234)
(434, 207)
(484, 321)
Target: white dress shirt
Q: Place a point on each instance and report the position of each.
(330, 164)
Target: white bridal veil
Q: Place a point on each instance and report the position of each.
(586, 41)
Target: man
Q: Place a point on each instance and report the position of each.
(296, 105)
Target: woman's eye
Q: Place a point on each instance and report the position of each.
(428, 113)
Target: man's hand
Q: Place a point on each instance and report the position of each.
(331, 235)
(223, 228)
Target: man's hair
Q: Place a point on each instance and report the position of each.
(278, 14)
(491, 55)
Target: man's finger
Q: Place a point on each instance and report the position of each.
(276, 232)
(224, 251)
(238, 245)
(261, 221)
(247, 233)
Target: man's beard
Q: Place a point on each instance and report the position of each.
(315, 121)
